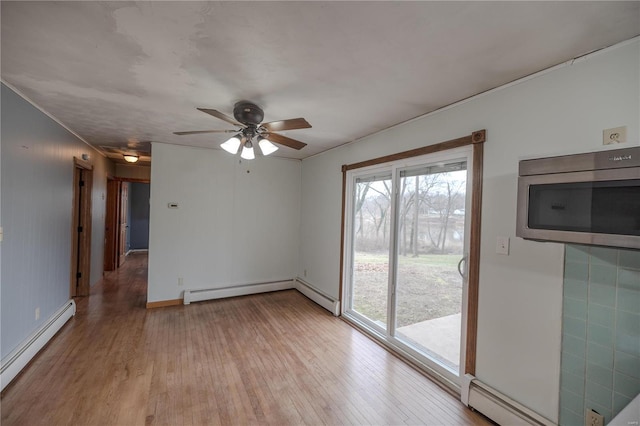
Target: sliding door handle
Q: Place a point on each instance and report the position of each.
(463, 260)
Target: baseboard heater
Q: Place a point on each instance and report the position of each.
(199, 295)
(318, 296)
(20, 357)
(497, 406)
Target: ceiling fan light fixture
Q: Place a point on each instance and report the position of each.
(231, 145)
(247, 151)
(131, 158)
(266, 146)
(247, 117)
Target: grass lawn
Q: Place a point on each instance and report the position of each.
(429, 287)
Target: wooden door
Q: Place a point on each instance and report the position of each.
(112, 227)
(81, 229)
(124, 206)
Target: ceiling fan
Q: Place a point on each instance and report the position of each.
(248, 117)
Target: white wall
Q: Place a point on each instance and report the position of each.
(561, 111)
(133, 172)
(37, 200)
(237, 222)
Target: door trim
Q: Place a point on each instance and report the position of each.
(111, 225)
(473, 284)
(476, 137)
(476, 140)
(123, 226)
(81, 240)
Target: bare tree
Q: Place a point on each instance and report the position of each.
(444, 203)
(426, 202)
(414, 225)
(383, 204)
(361, 196)
(409, 202)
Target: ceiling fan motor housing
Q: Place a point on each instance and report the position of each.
(248, 113)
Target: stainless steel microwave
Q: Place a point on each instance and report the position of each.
(591, 198)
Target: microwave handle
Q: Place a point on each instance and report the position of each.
(462, 273)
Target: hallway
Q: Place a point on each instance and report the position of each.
(273, 358)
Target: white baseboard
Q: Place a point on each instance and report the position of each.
(20, 357)
(318, 296)
(198, 295)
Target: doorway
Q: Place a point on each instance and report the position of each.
(81, 229)
(139, 212)
(127, 208)
(408, 239)
(410, 253)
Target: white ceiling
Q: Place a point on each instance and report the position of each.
(121, 74)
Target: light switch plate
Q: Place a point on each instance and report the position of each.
(615, 135)
(502, 245)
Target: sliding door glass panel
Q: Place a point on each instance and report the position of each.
(429, 288)
(406, 240)
(371, 232)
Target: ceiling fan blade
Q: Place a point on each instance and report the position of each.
(283, 140)
(221, 116)
(291, 124)
(197, 132)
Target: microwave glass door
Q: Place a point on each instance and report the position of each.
(606, 207)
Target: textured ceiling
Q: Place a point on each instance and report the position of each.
(120, 73)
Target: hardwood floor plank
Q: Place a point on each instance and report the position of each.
(274, 358)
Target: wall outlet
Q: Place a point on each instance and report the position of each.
(613, 136)
(593, 419)
(305, 273)
(37, 314)
(180, 281)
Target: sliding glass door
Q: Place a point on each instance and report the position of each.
(431, 229)
(371, 223)
(406, 244)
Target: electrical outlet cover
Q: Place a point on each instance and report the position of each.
(613, 136)
(593, 419)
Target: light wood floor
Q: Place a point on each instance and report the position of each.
(274, 358)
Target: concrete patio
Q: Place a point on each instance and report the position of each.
(438, 337)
